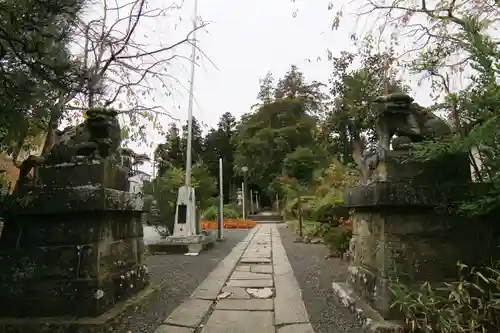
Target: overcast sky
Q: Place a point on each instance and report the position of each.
(247, 38)
(243, 40)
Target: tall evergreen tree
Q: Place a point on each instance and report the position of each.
(170, 153)
(218, 144)
(293, 85)
(196, 142)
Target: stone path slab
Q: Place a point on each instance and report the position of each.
(261, 269)
(259, 264)
(240, 322)
(250, 276)
(245, 304)
(250, 283)
(255, 261)
(242, 268)
(189, 313)
(236, 292)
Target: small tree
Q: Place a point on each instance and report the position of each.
(165, 187)
(298, 168)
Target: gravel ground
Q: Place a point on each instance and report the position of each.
(315, 275)
(182, 274)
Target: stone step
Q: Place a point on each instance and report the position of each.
(270, 218)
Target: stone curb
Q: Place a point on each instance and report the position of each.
(288, 305)
(364, 313)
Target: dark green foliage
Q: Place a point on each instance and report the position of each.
(218, 143)
(266, 137)
(349, 128)
(170, 153)
(285, 120)
(35, 64)
(197, 140)
(300, 165)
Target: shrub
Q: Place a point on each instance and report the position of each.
(324, 209)
(338, 238)
(471, 304)
(211, 213)
(291, 208)
(233, 211)
(309, 228)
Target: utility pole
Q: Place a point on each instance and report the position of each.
(244, 198)
(251, 202)
(191, 100)
(244, 170)
(220, 220)
(186, 221)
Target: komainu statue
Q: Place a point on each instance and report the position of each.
(407, 121)
(98, 137)
(400, 124)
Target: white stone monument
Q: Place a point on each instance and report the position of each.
(185, 227)
(185, 212)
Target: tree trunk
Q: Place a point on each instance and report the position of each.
(18, 149)
(346, 147)
(55, 116)
(51, 134)
(477, 171)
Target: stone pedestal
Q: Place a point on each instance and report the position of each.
(401, 227)
(451, 168)
(72, 246)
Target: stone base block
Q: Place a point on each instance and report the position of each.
(102, 174)
(69, 297)
(177, 244)
(46, 201)
(107, 322)
(368, 317)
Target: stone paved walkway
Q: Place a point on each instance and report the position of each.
(253, 290)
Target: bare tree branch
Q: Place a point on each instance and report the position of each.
(122, 71)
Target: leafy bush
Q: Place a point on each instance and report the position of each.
(234, 207)
(338, 238)
(211, 213)
(291, 208)
(323, 209)
(309, 228)
(471, 304)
